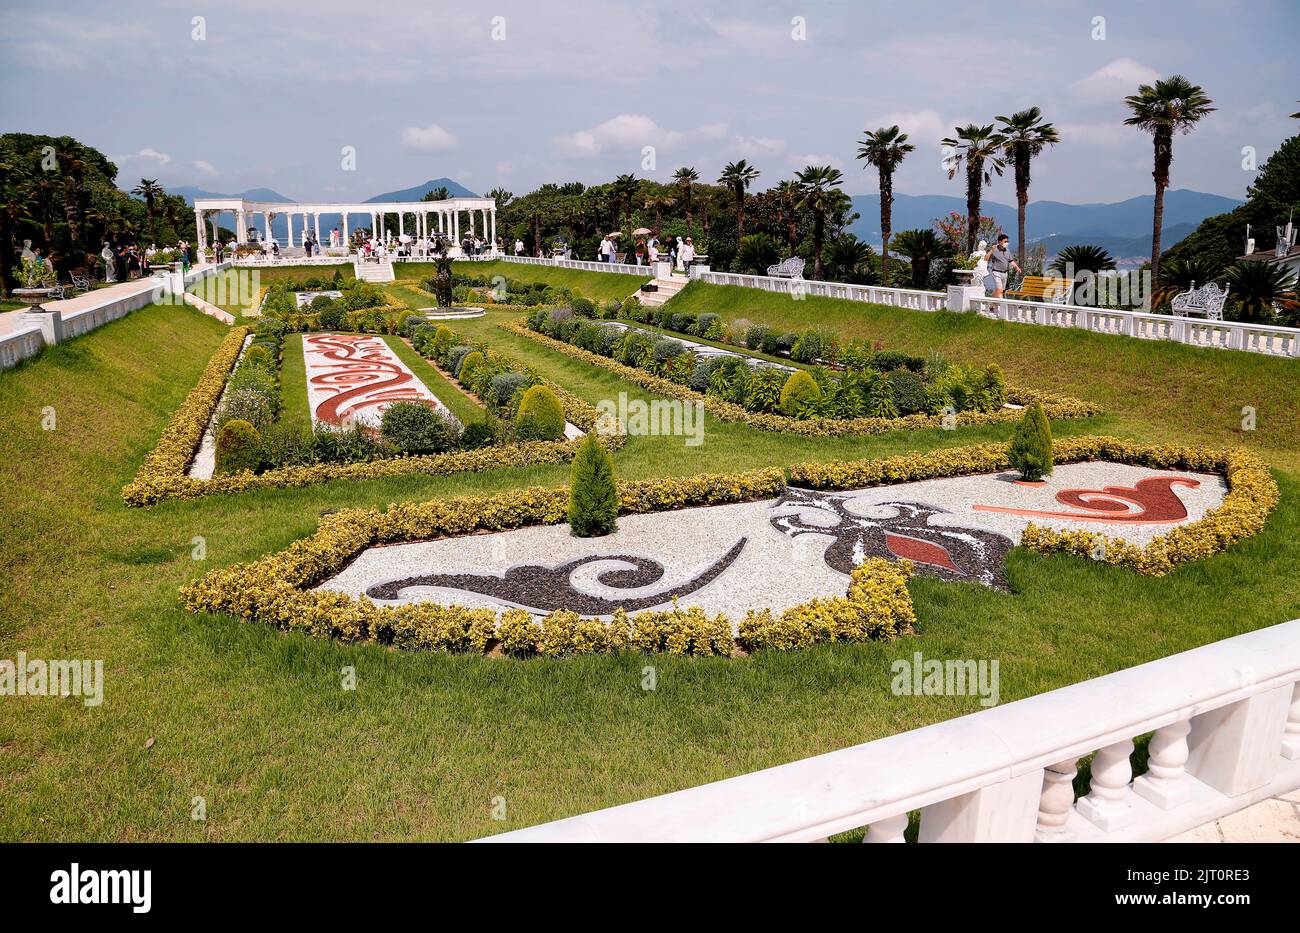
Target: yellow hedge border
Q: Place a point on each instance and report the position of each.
(162, 475)
(1055, 406)
(274, 589)
(1252, 494)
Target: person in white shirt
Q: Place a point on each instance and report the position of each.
(606, 250)
(687, 254)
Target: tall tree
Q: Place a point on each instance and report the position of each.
(1024, 135)
(980, 149)
(685, 178)
(501, 196)
(817, 184)
(1171, 105)
(737, 176)
(149, 189)
(624, 190)
(436, 194)
(885, 149)
(787, 192)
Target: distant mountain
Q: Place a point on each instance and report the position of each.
(417, 193)
(189, 193)
(1120, 227)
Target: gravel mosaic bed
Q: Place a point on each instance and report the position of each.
(702, 350)
(776, 553)
(354, 377)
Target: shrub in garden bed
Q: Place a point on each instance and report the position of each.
(540, 416)
(417, 428)
(593, 498)
(239, 447)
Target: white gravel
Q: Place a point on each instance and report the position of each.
(773, 570)
(204, 463)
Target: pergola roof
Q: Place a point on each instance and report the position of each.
(342, 207)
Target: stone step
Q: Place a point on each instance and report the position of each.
(374, 272)
(666, 289)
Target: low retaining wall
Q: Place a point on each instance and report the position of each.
(34, 332)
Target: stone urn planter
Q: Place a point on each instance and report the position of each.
(965, 277)
(33, 297)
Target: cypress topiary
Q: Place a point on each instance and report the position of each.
(1031, 445)
(239, 447)
(798, 391)
(540, 416)
(593, 499)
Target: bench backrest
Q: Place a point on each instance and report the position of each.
(1208, 298)
(788, 268)
(1044, 286)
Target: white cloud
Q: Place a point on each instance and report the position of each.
(630, 132)
(753, 147)
(145, 160)
(431, 138)
(505, 168)
(203, 167)
(1112, 82)
(800, 162)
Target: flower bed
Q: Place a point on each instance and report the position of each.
(1055, 406)
(277, 589)
(163, 473)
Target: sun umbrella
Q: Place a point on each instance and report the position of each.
(641, 231)
(614, 236)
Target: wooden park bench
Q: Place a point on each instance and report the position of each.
(1208, 300)
(1043, 287)
(791, 268)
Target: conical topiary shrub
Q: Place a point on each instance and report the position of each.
(799, 391)
(593, 499)
(1031, 445)
(239, 447)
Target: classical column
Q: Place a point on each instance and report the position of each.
(494, 229)
(317, 225)
(455, 225)
(288, 217)
(266, 218)
(200, 232)
(345, 228)
(401, 223)
(241, 227)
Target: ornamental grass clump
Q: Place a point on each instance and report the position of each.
(593, 499)
(1031, 445)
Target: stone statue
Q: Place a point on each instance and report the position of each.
(27, 251)
(981, 257)
(106, 254)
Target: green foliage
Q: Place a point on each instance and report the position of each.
(593, 498)
(907, 391)
(416, 428)
(330, 313)
(469, 364)
(239, 447)
(541, 416)
(1031, 444)
(815, 344)
(799, 391)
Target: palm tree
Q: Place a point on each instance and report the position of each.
(658, 203)
(1024, 135)
(1080, 261)
(1261, 290)
(885, 148)
(817, 184)
(980, 148)
(1178, 275)
(848, 259)
(788, 192)
(1172, 104)
(922, 247)
(737, 176)
(757, 252)
(149, 189)
(624, 189)
(684, 178)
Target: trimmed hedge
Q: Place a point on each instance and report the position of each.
(1055, 406)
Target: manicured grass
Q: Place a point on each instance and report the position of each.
(598, 286)
(1157, 391)
(254, 720)
(295, 408)
(452, 395)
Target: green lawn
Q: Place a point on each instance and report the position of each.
(254, 720)
(295, 408)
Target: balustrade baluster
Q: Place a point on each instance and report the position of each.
(1165, 783)
(1056, 803)
(1109, 804)
(889, 829)
(1291, 732)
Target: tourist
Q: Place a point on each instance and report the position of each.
(275, 249)
(640, 251)
(687, 255)
(607, 249)
(519, 247)
(652, 248)
(1000, 262)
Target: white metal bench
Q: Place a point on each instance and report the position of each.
(1207, 301)
(791, 268)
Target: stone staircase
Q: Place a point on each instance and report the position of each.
(374, 271)
(666, 289)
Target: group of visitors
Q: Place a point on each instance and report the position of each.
(681, 252)
(129, 261)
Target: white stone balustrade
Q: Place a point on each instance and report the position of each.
(1226, 724)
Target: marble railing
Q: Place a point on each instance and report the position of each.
(914, 299)
(1225, 720)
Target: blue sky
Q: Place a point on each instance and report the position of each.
(575, 90)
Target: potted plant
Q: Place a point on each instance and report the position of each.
(39, 280)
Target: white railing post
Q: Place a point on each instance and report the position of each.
(1291, 732)
(1002, 812)
(1109, 803)
(1056, 802)
(1235, 748)
(888, 829)
(1165, 783)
